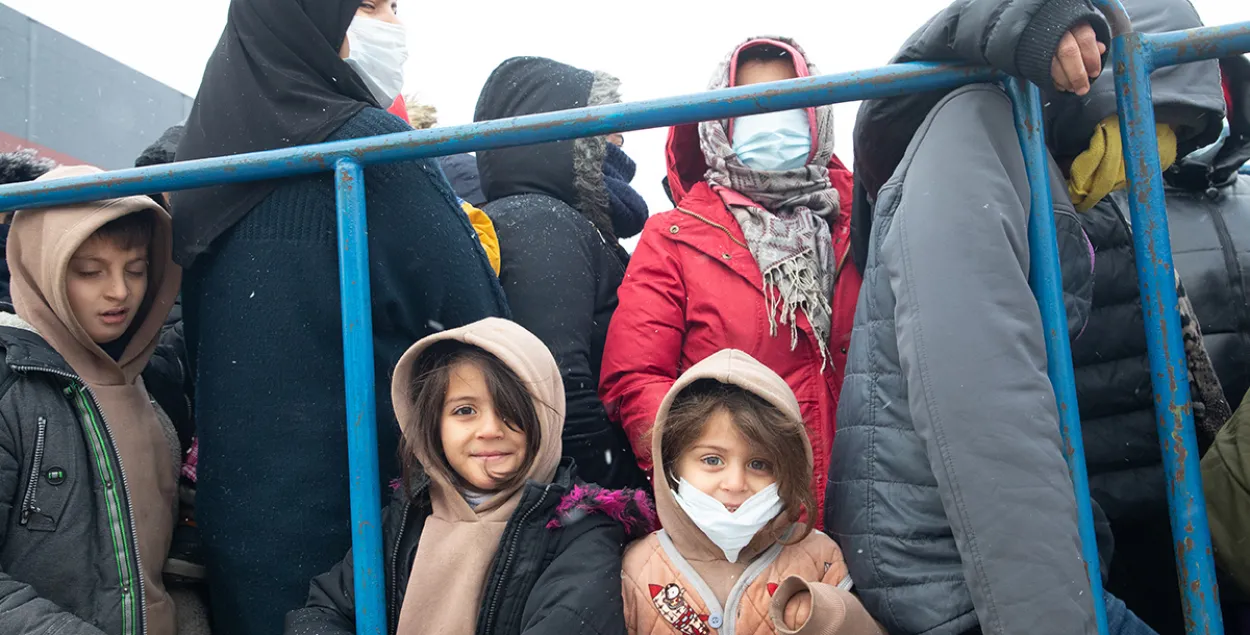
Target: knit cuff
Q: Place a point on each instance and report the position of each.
(828, 610)
(1040, 39)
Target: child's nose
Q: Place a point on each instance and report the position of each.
(735, 480)
(491, 428)
(117, 288)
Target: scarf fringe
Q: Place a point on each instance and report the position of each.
(793, 285)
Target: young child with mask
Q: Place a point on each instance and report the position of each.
(732, 465)
(88, 460)
(492, 533)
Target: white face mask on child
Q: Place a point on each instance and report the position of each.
(731, 531)
(377, 52)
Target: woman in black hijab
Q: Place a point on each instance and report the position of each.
(262, 299)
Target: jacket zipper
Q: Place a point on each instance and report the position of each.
(507, 563)
(28, 501)
(392, 609)
(716, 225)
(128, 581)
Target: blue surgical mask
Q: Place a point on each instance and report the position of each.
(774, 141)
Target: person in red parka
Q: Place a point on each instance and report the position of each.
(753, 258)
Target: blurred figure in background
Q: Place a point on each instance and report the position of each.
(560, 209)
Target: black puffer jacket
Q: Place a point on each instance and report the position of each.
(1209, 219)
(561, 263)
(538, 582)
(1112, 371)
(67, 558)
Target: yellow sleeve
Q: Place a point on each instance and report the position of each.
(485, 233)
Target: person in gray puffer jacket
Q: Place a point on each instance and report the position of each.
(948, 490)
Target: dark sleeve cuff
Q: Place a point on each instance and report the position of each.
(1041, 37)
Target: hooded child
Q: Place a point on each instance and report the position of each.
(89, 458)
(492, 532)
(732, 467)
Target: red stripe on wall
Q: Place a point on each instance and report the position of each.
(9, 143)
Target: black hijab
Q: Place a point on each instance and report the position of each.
(275, 80)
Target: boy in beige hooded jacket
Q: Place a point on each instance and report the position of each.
(84, 451)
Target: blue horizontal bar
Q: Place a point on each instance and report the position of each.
(1245, 169)
(886, 81)
(1194, 45)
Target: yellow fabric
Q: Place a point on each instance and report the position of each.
(1099, 170)
(485, 233)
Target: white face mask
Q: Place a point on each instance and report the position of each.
(377, 53)
(773, 141)
(731, 531)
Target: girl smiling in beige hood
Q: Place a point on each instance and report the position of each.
(493, 533)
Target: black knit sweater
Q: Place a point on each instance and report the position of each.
(263, 321)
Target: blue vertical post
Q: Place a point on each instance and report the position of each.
(362, 431)
(1046, 280)
(1168, 369)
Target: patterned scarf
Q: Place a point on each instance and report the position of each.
(787, 230)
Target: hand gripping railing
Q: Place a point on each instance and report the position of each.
(1134, 55)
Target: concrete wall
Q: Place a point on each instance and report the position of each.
(74, 103)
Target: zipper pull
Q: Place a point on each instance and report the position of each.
(26, 514)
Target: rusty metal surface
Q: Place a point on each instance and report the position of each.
(1211, 42)
(1168, 368)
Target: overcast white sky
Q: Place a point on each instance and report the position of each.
(657, 47)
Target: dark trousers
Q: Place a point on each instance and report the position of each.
(1143, 572)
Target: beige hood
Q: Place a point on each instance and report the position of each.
(520, 351)
(736, 368)
(458, 542)
(40, 245)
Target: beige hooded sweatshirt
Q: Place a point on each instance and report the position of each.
(458, 542)
(678, 580)
(40, 245)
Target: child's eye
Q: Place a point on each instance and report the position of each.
(137, 273)
(89, 274)
(713, 460)
(464, 411)
(760, 466)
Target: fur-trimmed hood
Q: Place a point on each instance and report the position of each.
(571, 171)
(632, 508)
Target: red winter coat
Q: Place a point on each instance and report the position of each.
(693, 288)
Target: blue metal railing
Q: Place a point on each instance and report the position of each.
(1047, 285)
(1135, 55)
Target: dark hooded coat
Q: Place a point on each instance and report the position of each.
(562, 263)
